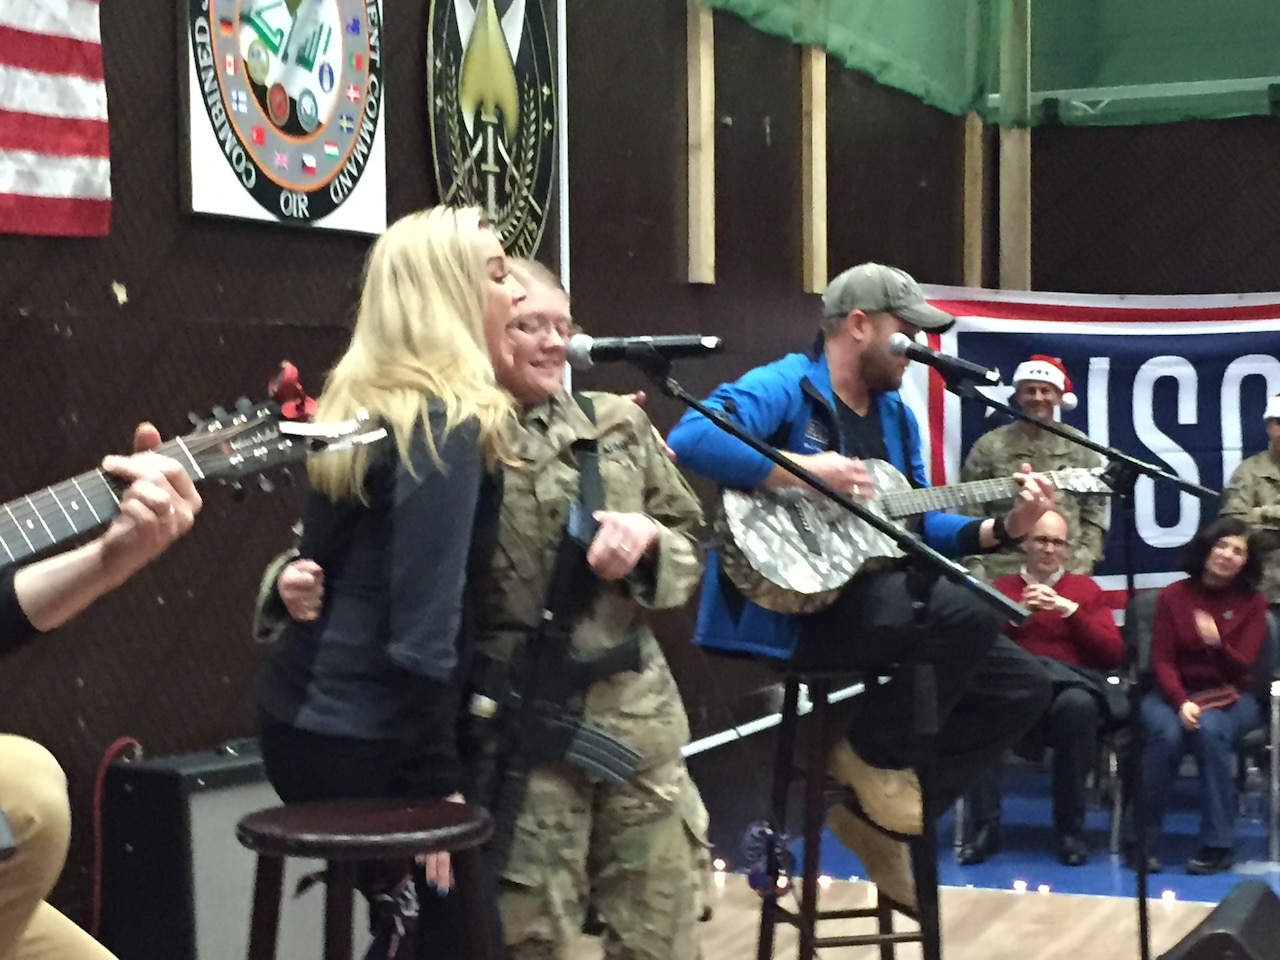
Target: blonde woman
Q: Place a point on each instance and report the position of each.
(633, 853)
(361, 699)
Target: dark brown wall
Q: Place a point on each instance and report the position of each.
(213, 305)
(1180, 208)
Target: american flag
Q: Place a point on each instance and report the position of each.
(55, 171)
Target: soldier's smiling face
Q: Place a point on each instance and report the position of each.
(531, 365)
(1037, 398)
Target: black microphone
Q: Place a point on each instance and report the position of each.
(900, 345)
(584, 352)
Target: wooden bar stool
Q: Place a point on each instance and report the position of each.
(346, 833)
(924, 852)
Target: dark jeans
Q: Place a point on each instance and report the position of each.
(990, 691)
(309, 766)
(1213, 746)
(1070, 729)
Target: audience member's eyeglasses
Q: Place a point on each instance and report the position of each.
(536, 326)
(1046, 542)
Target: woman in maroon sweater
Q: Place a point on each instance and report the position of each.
(1205, 641)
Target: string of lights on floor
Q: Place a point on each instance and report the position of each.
(1027, 861)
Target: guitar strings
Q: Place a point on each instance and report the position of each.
(90, 485)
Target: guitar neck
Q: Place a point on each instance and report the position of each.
(62, 512)
(910, 503)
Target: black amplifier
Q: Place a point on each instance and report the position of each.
(177, 884)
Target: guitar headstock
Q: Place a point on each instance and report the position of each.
(257, 438)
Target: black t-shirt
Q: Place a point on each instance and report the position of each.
(14, 625)
(863, 436)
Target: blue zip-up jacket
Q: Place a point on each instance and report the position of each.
(788, 403)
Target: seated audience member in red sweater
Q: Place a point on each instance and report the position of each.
(1205, 642)
(1073, 632)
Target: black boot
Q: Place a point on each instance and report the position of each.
(983, 844)
(1073, 851)
(1211, 860)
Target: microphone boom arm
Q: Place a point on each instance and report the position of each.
(1122, 470)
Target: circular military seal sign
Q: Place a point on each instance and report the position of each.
(492, 101)
(293, 89)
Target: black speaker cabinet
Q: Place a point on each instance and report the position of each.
(177, 884)
(1244, 926)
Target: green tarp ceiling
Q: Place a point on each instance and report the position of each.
(1092, 61)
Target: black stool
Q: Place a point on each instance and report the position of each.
(347, 833)
(924, 850)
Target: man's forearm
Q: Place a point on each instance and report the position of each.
(54, 590)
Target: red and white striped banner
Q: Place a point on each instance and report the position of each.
(55, 171)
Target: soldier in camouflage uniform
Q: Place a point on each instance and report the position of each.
(638, 853)
(1040, 386)
(627, 849)
(1253, 495)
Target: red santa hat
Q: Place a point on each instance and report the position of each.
(1272, 411)
(1048, 370)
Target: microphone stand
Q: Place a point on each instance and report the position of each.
(1121, 474)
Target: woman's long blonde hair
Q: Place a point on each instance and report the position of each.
(418, 338)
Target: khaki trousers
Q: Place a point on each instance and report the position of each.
(33, 796)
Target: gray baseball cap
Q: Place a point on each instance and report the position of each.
(875, 288)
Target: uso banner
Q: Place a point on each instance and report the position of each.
(1180, 382)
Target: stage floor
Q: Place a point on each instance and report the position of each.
(976, 925)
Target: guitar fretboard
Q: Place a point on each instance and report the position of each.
(56, 514)
(909, 503)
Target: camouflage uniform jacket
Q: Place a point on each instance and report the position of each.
(1001, 453)
(643, 709)
(1253, 495)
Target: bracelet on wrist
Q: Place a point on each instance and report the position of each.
(1001, 534)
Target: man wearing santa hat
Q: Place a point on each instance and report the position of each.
(1040, 386)
(1253, 495)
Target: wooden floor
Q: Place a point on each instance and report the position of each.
(976, 925)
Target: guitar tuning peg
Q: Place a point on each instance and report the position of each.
(265, 484)
(243, 405)
(195, 419)
(287, 476)
(219, 413)
(238, 492)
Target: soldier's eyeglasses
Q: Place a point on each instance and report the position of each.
(541, 326)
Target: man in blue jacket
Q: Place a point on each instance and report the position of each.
(830, 412)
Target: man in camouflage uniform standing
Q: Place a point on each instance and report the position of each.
(637, 854)
(1253, 495)
(1041, 385)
